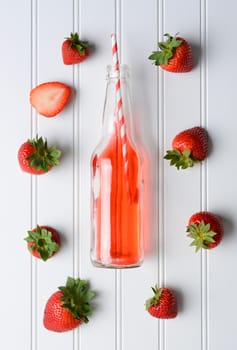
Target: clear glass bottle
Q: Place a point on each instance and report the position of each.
(117, 236)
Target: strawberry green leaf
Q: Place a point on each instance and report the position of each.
(179, 159)
(167, 49)
(43, 157)
(76, 298)
(41, 240)
(155, 298)
(77, 44)
(201, 235)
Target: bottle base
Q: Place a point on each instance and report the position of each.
(114, 265)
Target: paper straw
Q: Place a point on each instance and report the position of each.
(119, 101)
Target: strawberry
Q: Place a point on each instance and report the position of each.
(69, 307)
(74, 50)
(36, 158)
(163, 304)
(189, 147)
(43, 242)
(175, 55)
(206, 230)
(50, 98)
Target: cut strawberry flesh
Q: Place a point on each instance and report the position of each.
(50, 98)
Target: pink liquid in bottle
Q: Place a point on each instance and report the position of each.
(117, 215)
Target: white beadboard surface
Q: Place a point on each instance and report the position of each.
(31, 34)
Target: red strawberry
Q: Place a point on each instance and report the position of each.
(69, 307)
(50, 98)
(206, 230)
(189, 147)
(43, 242)
(175, 55)
(74, 50)
(163, 304)
(35, 157)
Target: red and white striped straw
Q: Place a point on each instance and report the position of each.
(120, 115)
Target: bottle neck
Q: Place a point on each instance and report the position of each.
(111, 106)
(121, 73)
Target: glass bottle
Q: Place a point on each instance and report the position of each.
(117, 237)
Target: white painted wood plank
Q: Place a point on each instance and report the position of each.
(222, 172)
(15, 186)
(54, 191)
(138, 327)
(182, 191)
(96, 23)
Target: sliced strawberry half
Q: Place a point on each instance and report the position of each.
(50, 98)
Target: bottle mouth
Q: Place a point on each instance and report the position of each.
(122, 72)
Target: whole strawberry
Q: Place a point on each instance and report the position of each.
(188, 147)
(69, 307)
(74, 50)
(43, 242)
(205, 229)
(163, 304)
(175, 55)
(35, 157)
